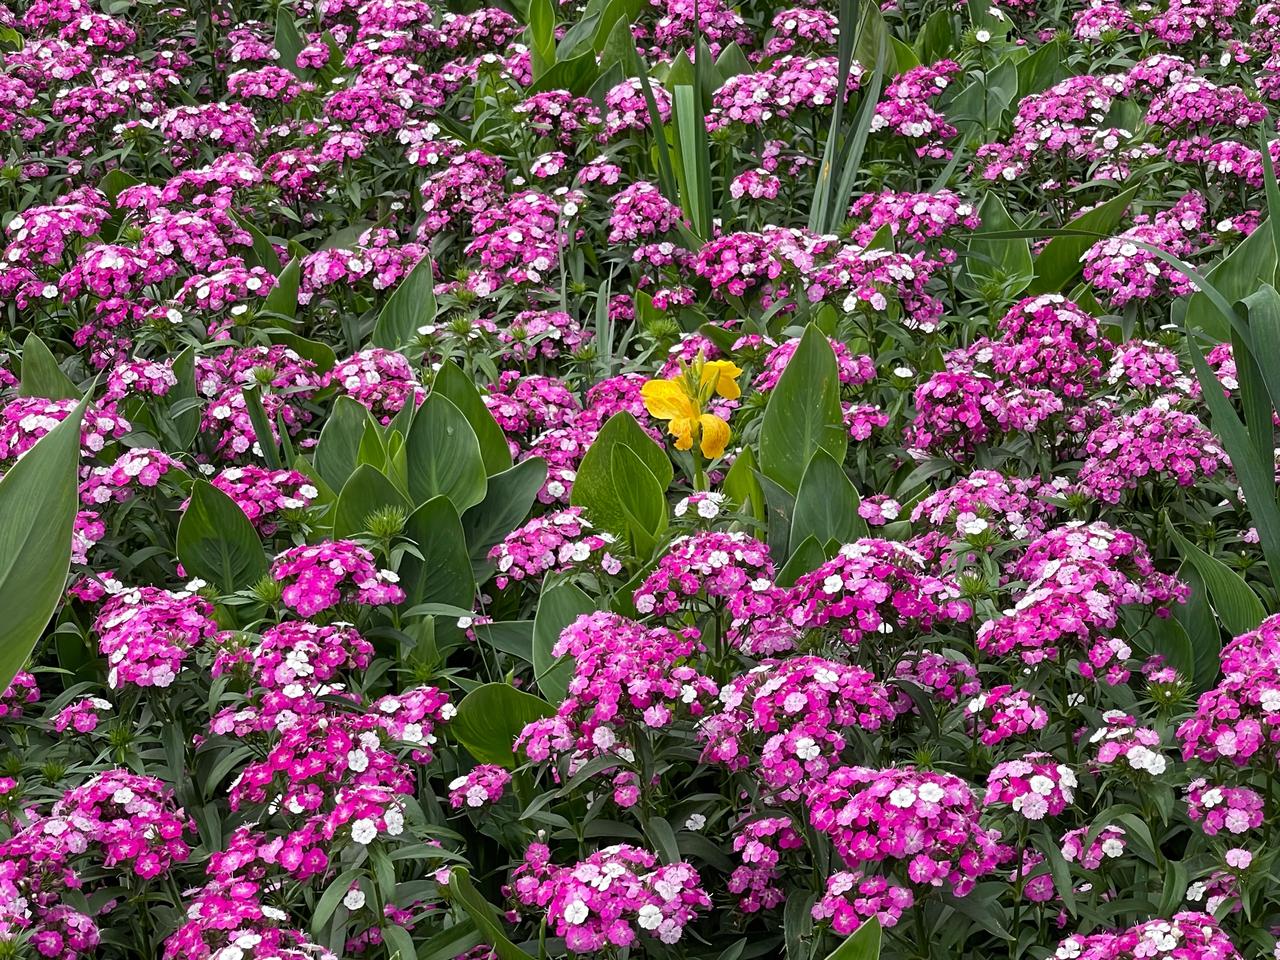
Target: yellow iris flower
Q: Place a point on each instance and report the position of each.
(682, 401)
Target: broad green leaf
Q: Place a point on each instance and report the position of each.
(803, 414)
(398, 942)
(827, 504)
(41, 375)
(262, 253)
(1006, 262)
(457, 386)
(339, 445)
(411, 305)
(1059, 262)
(217, 542)
(483, 914)
(283, 298)
(558, 606)
(444, 455)
(184, 404)
(1202, 630)
(741, 487)
(1042, 69)
(641, 499)
(594, 489)
(289, 42)
(1262, 311)
(451, 943)
(443, 574)
(1234, 277)
(1167, 637)
(366, 491)
(806, 557)
(38, 503)
(490, 718)
(267, 447)
(938, 38)
(1237, 605)
(542, 36)
(512, 637)
(505, 506)
(576, 75)
(321, 354)
(1256, 475)
(332, 896)
(862, 944)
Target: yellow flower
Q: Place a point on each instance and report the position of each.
(681, 401)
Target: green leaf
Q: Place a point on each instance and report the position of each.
(283, 298)
(444, 455)
(289, 42)
(862, 944)
(641, 499)
(443, 574)
(803, 414)
(558, 606)
(321, 354)
(1202, 630)
(451, 382)
(937, 39)
(997, 261)
(594, 489)
(270, 451)
(506, 503)
(1256, 475)
(1262, 311)
(451, 943)
(366, 490)
(38, 503)
(807, 556)
(1059, 262)
(262, 254)
(217, 542)
(542, 36)
(1234, 277)
(399, 942)
(741, 486)
(576, 75)
(339, 445)
(827, 504)
(411, 305)
(483, 914)
(1237, 605)
(695, 159)
(490, 718)
(332, 896)
(186, 422)
(1042, 69)
(41, 375)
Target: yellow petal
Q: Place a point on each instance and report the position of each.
(667, 399)
(722, 374)
(715, 435)
(682, 429)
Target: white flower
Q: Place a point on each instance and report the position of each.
(982, 36)
(354, 899)
(649, 917)
(576, 912)
(807, 749)
(363, 831)
(695, 822)
(903, 797)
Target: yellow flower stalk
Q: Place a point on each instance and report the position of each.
(683, 401)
